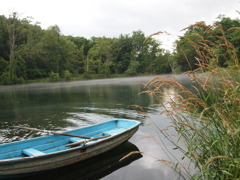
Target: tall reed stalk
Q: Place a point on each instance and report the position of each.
(208, 118)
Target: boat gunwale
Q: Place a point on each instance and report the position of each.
(22, 159)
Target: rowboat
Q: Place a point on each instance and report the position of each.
(58, 150)
(95, 167)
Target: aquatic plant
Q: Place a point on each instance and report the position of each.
(206, 116)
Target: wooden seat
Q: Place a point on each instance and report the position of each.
(75, 139)
(33, 152)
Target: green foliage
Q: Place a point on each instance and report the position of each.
(104, 53)
(186, 54)
(21, 70)
(6, 79)
(29, 52)
(67, 75)
(4, 46)
(132, 69)
(89, 67)
(19, 80)
(162, 64)
(36, 73)
(124, 54)
(54, 77)
(198, 35)
(3, 65)
(36, 53)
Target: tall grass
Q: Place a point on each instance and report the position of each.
(208, 118)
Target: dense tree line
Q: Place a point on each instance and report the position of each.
(29, 52)
(220, 36)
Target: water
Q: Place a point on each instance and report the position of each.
(65, 106)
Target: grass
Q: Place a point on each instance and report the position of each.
(208, 118)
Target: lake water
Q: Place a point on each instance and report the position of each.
(69, 105)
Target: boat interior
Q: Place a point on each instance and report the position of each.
(55, 143)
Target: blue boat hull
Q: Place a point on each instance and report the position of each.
(50, 152)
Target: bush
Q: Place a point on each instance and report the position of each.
(54, 77)
(3, 65)
(5, 79)
(88, 75)
(19, 80)
(36, 73)
(67, 75)
(132, 69)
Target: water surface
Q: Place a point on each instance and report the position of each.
(69, 105)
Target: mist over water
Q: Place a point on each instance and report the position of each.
(68, 105)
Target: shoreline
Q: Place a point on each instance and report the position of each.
(89, 82)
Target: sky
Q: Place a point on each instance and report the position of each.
(110, 18)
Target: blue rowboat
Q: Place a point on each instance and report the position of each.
(96, 167)
(54, 151)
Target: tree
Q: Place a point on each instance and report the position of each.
(162, 63)
(227, 28)
(3, 65)
(4, 47)
(201, 38)
(137, 59)
(30, 51)
(132, 68)
(104, 53)
(16, 31)
(146, 53)
(89, 67)
(185, 54)
(83, 46)
(12, 25)
(124, 54)
(57, 53)
(153, 60)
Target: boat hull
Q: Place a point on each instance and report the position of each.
(62, 158)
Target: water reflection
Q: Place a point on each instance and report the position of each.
(93, 168)
(170, 95)
(63, 109)
(65, 106)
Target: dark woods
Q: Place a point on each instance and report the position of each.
(29, 52)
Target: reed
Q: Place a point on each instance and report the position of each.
(208, 118)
